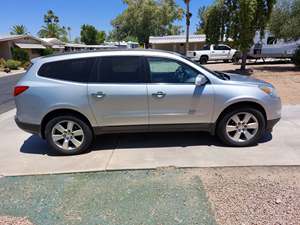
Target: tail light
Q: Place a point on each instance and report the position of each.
(19, 89)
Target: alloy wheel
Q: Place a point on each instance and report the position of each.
(242, 127)
(67, 135)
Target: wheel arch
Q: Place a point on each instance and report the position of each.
(62, 112)
(237, 105)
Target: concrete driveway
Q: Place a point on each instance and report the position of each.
(24, 154)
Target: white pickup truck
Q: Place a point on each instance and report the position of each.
(213, 52)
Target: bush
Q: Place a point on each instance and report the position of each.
(296, 57)
(2, 63)
(20, 54)
(13, 64)
(47, 51)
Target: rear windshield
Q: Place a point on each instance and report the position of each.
(76, 70)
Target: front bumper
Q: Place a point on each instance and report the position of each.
(270, 124)
(30, 128)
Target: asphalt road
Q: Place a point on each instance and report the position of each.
(7, 84)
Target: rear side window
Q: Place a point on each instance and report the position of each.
(120, 69)
(77, 70)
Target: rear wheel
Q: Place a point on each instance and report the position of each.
(203, 59)
(241, 127)
(68, 135)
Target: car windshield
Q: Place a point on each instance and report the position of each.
(217, 74)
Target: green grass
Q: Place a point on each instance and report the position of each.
(128, 197)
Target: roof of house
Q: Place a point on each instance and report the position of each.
(176, 39)
(16, 37)
(30, 46)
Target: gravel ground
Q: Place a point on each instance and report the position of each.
(253, 196)
(6, 220)
(284, 76)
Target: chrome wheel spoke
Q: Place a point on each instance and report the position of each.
(252, 125)
(60, 128)
(248, 135)
(57, 137)
(236, 119)
(231, 128)
(237, 136)
(65, 144)
(247, 117)
(75, 142)
(78, 133)
(70, 126)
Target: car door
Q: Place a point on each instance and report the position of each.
(217, 52)
(173, 96)
(118, 93)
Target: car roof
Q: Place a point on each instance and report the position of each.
(104, 52)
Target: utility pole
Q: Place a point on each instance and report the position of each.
(188, 22)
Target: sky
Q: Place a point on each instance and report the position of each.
(72, 13)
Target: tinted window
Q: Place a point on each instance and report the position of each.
(164, 70)
(206, 47)
(221, 47)
(77, 70)
(120, 69)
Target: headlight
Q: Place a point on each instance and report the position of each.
(268, 90)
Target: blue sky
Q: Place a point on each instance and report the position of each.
(72, 13)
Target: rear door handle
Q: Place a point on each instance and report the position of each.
(159, 94)
(98, 95)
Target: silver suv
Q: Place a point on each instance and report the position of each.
(68, 99)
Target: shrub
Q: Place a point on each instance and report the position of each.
(2, 63)
(296, 57)
(20, 54)
(47, 51)
(13, 64)
(26, 65)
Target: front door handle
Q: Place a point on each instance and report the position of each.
(159, 94)
(98, 95)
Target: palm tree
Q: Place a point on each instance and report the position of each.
(69, 32)
(188, 17)
(50, 31)
(18, 30)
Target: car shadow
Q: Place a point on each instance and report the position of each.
(35, 145)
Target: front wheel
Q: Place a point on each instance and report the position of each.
(241, 127)
(68, 135)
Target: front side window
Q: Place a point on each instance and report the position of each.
(120, 69)
(77, 70)
(163, 70)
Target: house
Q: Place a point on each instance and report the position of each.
(176, 43)
(56, 44)
(32, 45)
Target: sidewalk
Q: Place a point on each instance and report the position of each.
(24, 154)
(13, 72)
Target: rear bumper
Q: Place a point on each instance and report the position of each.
(30, 128)
(271, 124)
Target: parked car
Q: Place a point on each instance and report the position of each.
(68, 99)
(213, 52)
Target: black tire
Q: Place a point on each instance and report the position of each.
(203, 59)
(224, 137)
(86, 140)
(235, 59)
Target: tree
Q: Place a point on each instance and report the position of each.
(18, 30)
(88, 34)
(202, 17)
(52, 29)
(188, 16)
(285, 20)
(101, 36)
(143, 18)
(239, 20)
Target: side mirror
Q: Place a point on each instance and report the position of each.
(200, 80)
